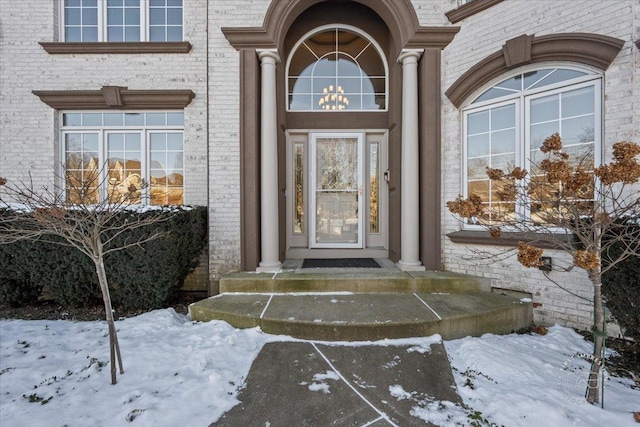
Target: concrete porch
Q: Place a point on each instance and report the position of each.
(363, 304)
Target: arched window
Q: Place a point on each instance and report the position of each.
(505, 125)
(336, 68)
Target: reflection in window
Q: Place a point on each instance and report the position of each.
(118, 154)
(122, 20)
(336, 69)
(491, 143)
(374, 188)
(124, 161)
(505, 126)
(81, 167)
(298, 213)
(337, 190)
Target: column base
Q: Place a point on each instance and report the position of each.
(269, 267)
(410, 266)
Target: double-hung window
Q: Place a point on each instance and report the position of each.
(122, 20)
(505, 126)
(113, 154)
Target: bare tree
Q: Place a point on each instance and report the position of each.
(94, 213)
(569, 205)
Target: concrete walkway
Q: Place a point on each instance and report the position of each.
(313, 384)
(318, 383)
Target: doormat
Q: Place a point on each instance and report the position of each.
(340, 263)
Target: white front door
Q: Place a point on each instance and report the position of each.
(337, 194)
(336, 190)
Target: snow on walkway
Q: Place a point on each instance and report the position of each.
(55, 373)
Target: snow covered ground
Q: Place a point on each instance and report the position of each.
(55, 373)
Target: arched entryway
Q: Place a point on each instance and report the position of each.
(273, 131)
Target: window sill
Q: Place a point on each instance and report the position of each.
(476, 237)
(58, 48)
(470, 9)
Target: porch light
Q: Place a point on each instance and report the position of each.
(333, 99)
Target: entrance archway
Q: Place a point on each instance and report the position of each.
(285, 23)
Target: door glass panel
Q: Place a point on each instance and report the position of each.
(337, 191)
(374, 189)
(298, 171)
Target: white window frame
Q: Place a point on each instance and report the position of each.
(313, 137)
(102, 131)
(145, 7)
(352, 29)
(522, 101)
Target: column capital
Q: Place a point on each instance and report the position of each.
(410, 54)
(268, 53)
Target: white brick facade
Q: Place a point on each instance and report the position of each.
(484, 34)
(29, 136)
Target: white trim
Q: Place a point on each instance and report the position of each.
(522, 100)
(297, 245)
(313, 137)
(144, 7)
(145, 132)
(592, 73)
(355, 30)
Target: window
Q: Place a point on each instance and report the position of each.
(105, 154)
(505, 126)
(122, 20)
(335, 69)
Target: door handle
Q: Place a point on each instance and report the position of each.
(387, 175)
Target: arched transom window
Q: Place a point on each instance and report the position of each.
(336, 68)
(506, 124)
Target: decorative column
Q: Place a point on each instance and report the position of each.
(409, 195)
(269, 233)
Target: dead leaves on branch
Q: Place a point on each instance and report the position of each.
(559, 194)
(625, 168)
(529, 256)
(466, 208)
(586, 260)
(625, 151)
(551, 144)
(557, 181)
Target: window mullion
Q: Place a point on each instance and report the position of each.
(144, 19)
(524, 146)
(102, 20)
(145, 146)
(103, 167)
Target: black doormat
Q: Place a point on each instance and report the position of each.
(340, 263)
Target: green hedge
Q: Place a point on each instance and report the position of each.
(140, 277)
(621, 290)
(17, 284)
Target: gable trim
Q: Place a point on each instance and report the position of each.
(470, 9)
(399, 16)
(594, 50)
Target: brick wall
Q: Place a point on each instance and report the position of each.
(484, 34)
(224, 139)
(29, 127)
(29, 134)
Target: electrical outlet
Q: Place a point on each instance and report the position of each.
(547, 265)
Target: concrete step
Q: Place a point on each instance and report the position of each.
(353, 280)
(368, 316)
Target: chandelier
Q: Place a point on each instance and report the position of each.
(333, 99)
